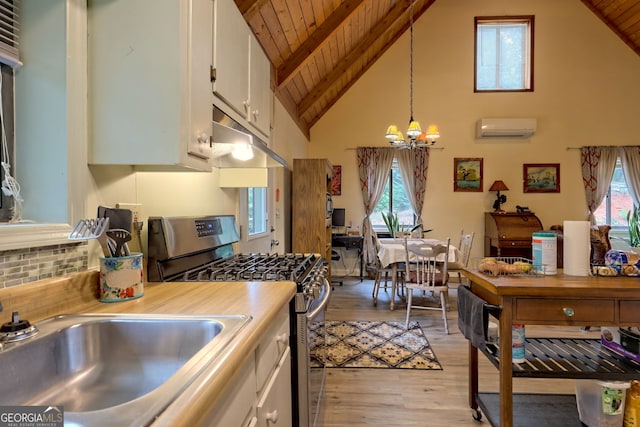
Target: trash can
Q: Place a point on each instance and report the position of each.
(601, 403)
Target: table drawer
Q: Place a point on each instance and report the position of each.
(595, 312)
(630, 311)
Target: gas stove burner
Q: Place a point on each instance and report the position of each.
(256, 267)
(201, 249)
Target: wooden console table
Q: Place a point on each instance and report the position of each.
(551, 300)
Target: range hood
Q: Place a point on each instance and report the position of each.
(228, 135)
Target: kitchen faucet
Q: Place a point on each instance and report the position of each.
(16, 329)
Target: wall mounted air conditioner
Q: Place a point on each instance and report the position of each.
(505, 128)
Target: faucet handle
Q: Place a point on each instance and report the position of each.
(16, 329)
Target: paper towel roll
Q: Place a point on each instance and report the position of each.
(577, 247)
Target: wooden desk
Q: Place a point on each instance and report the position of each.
(508, 234)
(349, 242)
(551, 300)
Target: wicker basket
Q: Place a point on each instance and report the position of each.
(508, 266)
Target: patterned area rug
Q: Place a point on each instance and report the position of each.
(360, 344)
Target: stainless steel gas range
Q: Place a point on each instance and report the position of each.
(201, 249)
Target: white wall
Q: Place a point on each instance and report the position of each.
(586, 93)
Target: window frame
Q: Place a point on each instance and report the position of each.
(530, 20)
(264, 212)
(381, 229)
(6, 202)
(621, 229)
(70, 54)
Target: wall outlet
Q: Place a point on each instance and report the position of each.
(135, 208)
(135, 245)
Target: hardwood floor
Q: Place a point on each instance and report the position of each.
(399, 397)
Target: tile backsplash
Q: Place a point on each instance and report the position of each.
(28, 265)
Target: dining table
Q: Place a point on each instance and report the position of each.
(391, 252)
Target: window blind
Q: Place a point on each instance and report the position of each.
(9, 28)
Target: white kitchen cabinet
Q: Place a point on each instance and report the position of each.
(273, 375)
(237, 407)
(260, 394)
(231, 56)
(274, 405)
(242, 71)
(271, 349)
(260, 93)
(150, 101)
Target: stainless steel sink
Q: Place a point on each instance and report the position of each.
(112, 370)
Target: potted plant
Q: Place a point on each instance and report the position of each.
(396, 229)
(633, 217)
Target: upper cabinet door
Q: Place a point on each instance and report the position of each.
(260, 94)
(150, 102)
(231, 56)
(200, 98)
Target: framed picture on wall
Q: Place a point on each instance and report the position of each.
(541, 177)
(336, 181)
(467, 174)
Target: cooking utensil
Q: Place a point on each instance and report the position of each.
(93, 228)
(121, 237)
(112, 246)
(118, 218)
(86, 229)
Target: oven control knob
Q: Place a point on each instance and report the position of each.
(312, 291)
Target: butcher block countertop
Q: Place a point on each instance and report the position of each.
(78, 294)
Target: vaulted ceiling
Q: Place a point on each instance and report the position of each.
(319, 48)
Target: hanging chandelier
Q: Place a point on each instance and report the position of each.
(415, 136)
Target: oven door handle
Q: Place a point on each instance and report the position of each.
(325, 300)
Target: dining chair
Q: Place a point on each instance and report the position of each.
(427, 273)
(379, 271)
(464, 248)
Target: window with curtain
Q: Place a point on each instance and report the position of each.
(394, 200)
(617, 204)
(257, 210)
(503, 54)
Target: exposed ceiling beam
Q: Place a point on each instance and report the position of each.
(249, 7)
(378, 31)
(598, 12)
(316, 41)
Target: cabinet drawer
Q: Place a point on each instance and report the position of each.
(596, 311)
(630, 311)
(274, 406)
(237, 405)
(515, 243)
(271, 347)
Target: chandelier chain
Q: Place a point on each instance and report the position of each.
(411, 61)
(415, 136)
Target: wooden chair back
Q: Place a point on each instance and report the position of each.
(427, 263)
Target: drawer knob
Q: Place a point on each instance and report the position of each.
(568, 311)
(272, 416)
(283, 338)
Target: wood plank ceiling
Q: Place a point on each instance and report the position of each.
(319, 48)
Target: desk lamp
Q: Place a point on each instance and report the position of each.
(499, 186)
